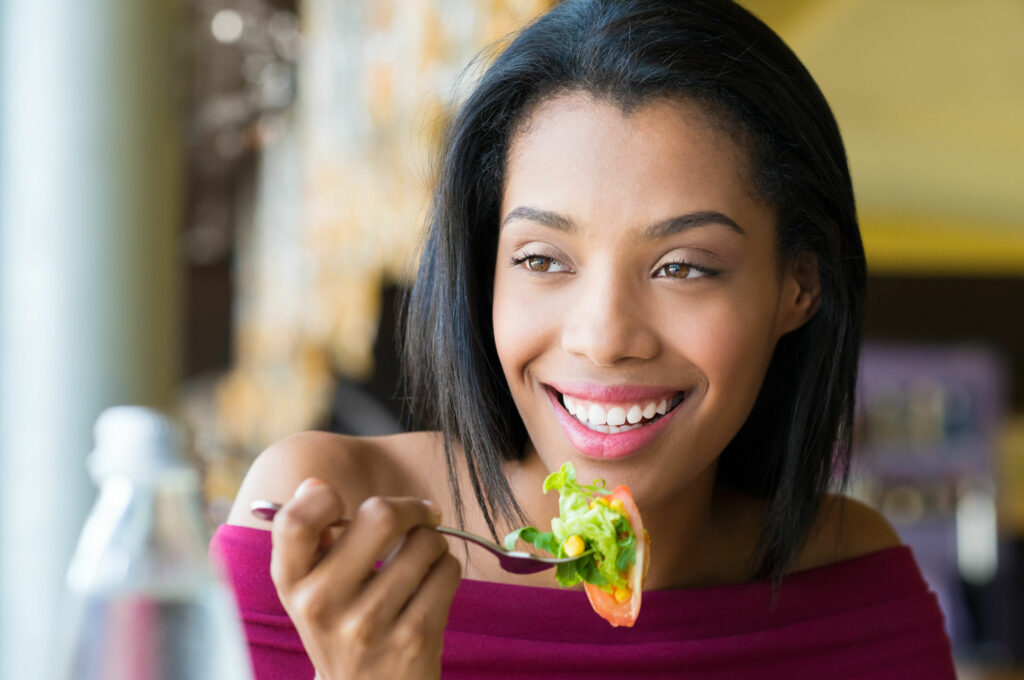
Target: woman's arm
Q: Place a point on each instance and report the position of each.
(369, 601)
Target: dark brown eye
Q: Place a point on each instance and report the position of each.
(540, 264)
(537, 263)
(677, 270)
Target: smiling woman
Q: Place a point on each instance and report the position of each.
(642, 278)
(643, 259)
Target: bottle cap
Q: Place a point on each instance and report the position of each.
(138, 442)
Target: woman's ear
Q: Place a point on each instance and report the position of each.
(801, 292)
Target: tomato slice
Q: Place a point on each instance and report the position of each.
(605, 604)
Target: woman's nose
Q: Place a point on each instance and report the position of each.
(609, 322)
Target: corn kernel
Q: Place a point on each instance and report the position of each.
(622, 594)
(573, 545)
(617, 506)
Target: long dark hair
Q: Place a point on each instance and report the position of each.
(796, 440)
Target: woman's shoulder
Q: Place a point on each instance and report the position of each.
(844, 529)
(406, 464)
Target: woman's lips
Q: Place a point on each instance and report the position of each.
(612, 393)
(632, 416)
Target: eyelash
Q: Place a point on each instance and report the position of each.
(706, 272)
(522, 259)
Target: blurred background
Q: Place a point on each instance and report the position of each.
(210, 206)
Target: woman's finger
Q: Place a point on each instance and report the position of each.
(426, 615)
(390, 590)
(379, 525)
(377, 528)
(298, 529)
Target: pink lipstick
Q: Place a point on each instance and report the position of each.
(613, 445)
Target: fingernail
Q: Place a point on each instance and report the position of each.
(307, 486)
(432, 507)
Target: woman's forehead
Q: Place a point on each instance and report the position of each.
(588, 155)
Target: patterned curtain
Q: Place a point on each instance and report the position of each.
(339, 203)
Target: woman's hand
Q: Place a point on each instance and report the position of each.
(357, 621)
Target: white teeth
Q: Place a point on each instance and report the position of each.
(613, 419)
(616, 416)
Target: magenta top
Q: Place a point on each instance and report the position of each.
(869, 617)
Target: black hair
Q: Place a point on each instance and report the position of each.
(796, 440)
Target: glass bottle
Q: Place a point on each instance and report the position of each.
(144, 600)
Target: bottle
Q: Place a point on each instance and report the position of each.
(144, 600)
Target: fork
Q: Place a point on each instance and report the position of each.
(514, 561)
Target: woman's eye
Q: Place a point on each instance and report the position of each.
(540, 263)
(681, 270)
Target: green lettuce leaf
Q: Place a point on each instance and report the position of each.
(602, 529)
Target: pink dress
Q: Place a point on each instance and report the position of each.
(869, 617)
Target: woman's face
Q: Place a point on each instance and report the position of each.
(637, 295)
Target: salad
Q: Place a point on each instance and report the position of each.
(606, 525)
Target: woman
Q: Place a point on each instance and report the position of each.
(642, 203)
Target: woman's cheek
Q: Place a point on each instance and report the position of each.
(505, 340)
(733, 353)
(519, 328)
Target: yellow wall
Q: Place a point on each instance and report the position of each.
(918, 245)
(930, 100)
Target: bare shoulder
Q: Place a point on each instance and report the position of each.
(356, 467)
(845, 529)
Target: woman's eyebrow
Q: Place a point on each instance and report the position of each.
(672, 225)
(544, 217)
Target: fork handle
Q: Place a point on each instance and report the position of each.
(267, 509)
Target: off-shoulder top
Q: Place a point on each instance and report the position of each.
(869, 617)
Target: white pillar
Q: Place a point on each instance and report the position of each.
(89, 216)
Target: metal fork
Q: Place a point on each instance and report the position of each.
(514, 561)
